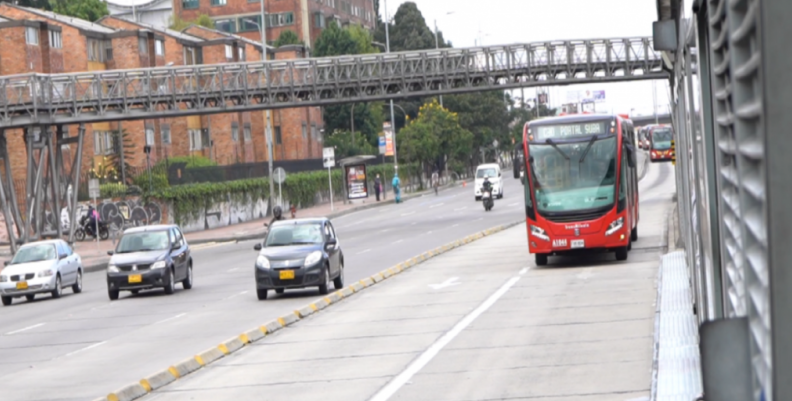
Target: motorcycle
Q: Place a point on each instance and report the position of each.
(486, 199)
(81, 231)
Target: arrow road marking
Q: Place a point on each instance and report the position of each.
(448, 283)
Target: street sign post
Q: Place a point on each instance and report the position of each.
(94, 192)
(328, 155)
(279, 175)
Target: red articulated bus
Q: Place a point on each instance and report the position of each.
(660, 149)
(581, 185)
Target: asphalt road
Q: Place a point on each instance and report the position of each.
(84, 346)
(481, 322)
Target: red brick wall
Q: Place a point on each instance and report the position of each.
(12, 44)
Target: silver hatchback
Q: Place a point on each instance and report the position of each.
(41, 267)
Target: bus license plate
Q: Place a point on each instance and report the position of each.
(578, 243)
(135, 278)
(287, 275)
(22, 285)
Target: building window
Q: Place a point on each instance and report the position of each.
(108, 50)
(229, 52)
(226, 25)
(218, 2)
(314, 132)
(319, 20)
(104, 142)
(55, 40)
(32, 35)
(195, 139)
(143, 46)
(166, 135)
(190, 4)
(205, 140)
(304, 131)
(250, 23)
(246, 132)
(241, 51)
(150, 136)
(278, 137)
(159, 47)
(99, 50)
(280, 19)
(192, 56)
(235, 132)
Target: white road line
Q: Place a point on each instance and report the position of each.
(396, 242)
(480, 218)
(434, 206)
(385, 230)
(513, 204)
(407, 214)
(391, 388)
(230, 270)
(428, 232)
(362, 252)
(171, 318)
(455, 225)
(461, 208)
(25, 329)
(211, 245)
(235, 295)
(523, 271)
(413, 223)
(85, 349)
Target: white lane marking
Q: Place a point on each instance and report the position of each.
(211, 245)
(362, 252)
(171, 318)
(434, 206)
(230, 270)
(396, 242)
(523, 271)
(235, 295)
(25, 329)
(461, 208)
(513, 204)
(385, 230)
(85, 349)
(585, 274)
(428, 232)
(414, 223)
(448, 283)
(407, 214)
(480, 218)
(391, 388)
(455, 225)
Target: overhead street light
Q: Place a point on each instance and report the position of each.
(437, 46)
(393, 121)
(268, 128)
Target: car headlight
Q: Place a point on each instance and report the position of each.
(112, 269)
(540, 233)
(262, 262)
(615, 226)
(158, 265)
(313, 258)
(45, 273)
(3, 279)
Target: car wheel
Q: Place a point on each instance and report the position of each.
(77, 287)
(30, 297)
(7, 300)
(262, 294)
(338, 283)
(324, 289)
(634, 234)
(58, 291)
(280, 290)
(621, 253)
(541, 259)
(188, 282)
(112, 294)
(170, 286)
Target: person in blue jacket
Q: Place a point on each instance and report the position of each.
(396, 188)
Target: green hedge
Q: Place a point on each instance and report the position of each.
(112, 190)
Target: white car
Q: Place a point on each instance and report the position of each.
(41, 267)
(493, 172)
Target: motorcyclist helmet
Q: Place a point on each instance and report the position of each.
(277, 212)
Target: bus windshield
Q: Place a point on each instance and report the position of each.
(661, 139)
(568, 178)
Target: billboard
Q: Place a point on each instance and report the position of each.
(386, 129)
(356, 181)
(585, 96)
(382, 146)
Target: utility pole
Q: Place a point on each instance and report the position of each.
(268, 129)
(393, 120)
(654, 100)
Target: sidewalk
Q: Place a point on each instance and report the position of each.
(95, 258)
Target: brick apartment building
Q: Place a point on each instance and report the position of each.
(307, 18)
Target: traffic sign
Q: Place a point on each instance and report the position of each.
(93, 188)
(328, 155)
(279, 175)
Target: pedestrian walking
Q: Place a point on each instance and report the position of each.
(377, 187)
(396, 187)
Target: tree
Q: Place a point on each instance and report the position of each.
(334, 41)
(487, 116)
(89, 10)
(178, 24)
(288, 37)
(124, 152)
(363, 40)
(39, 4)
(347, 145)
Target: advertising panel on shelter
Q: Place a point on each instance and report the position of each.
(356, 181)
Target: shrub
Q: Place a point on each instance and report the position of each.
(112, 190)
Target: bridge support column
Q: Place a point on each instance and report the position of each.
(10, 222)
(71, 197)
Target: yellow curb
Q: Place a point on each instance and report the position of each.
(222, 348)
(264, 330)
(146, 385)
(352, 288)
(200, 360)
(175, 372)
(112, 397)
(244, 338)
(313, 306)
(328, 300)
(282, 322)
(297, 313)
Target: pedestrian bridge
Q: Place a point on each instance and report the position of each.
(56, 99)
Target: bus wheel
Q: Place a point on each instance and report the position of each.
(634, 234)
(541, 259)
(621, 253)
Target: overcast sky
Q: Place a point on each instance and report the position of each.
(499, 22)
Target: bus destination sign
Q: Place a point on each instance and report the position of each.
(570, 130)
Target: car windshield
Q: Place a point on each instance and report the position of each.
(486, 172)
(295, 234)
(35, 253)
(143, 241)
(661, 139)
(567, 178)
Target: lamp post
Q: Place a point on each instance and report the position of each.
(147, 150)
(393, 121)
(437, 46)
(267, 129)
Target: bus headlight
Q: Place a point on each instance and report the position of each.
(615, 226)
(538, 232)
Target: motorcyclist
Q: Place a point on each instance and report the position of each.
(487, 185)
(277, 214)
(91, 225)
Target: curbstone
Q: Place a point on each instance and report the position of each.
(231, 345)
(272, 326)
(367, 282)
(210, 356)
(128, 393)
(186, 367)
(305, 311)
(386, 273)
(158, 380)
(288, 319)
(334, 297)
(357, 287)
(346, 292)
(321, 304)
(377, 277)
(254, 335)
